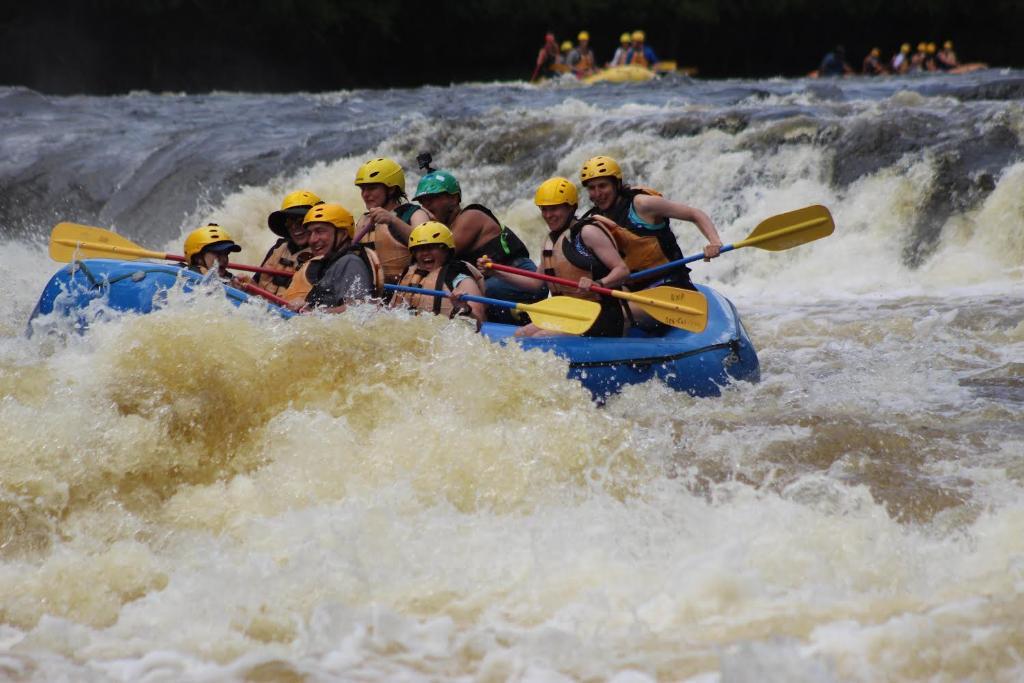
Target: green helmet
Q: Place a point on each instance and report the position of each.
(437, 182)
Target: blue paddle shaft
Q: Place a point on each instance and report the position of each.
(467, 297)
(675, 264)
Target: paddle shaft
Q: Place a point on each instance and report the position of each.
(239, 266)
(628, 296)
(146, 253)
(550, 278)
(681, 262)
(259, 291)
(749, 242)
(468, 297)
(541, 308)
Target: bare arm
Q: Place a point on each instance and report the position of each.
(466, 229)
(606, 251)
(654, 209)
(379, 215)
(469, 286)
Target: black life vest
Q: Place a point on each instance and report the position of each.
(568, 257)
(315, 269)
(506, 247)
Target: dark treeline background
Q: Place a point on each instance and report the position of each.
(112, 46)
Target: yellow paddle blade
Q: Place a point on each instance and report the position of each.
(791, 229)
(682, 308)
(71, 240)
(563, 314)
(665, 66)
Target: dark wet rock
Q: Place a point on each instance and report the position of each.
(965, 171)
(1010, 88)
(826, 92)
(685, 126)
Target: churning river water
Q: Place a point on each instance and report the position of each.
(210, 493)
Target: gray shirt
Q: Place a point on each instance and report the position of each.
(347, 279)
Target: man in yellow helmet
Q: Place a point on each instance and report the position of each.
(619, 58)
(918, 58)
(381, 183)
(946, 59)
(872, 65)
(339, 272)
(900, 63)
(207, 249)
(584, 251)
(564, 50)
(581, 60)
(435, 267)
(291, 249)
(639, 53)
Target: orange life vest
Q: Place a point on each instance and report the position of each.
(442, 278)
(281, 257)
(586, 63)
(393, 253)
(639, 58)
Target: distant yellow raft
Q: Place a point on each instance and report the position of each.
(634, 73)
(621, 74)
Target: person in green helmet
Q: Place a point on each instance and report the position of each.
(478, 233)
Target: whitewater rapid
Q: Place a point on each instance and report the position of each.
(212, 493)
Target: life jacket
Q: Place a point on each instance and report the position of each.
(566, 256)
(443, 276)
(506, 247)
(641, 247)
(586, 61)
(637, 57)
(309, 274)
(390, 247)
(281, 257)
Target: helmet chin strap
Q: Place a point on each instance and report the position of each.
(337, 234)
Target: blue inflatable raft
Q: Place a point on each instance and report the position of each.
(697, 363)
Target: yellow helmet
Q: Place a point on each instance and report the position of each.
(295, 203)
(922, 47)
(566, 46)
(556, 191)
(931, 48)
(948, 45)
(208, 236)
(384, 171)
(431, 232)
(905, 48)
(624, 38)
(638, 36)
(583, 36)
(600, 167)
(335, 214)
(875, 52)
